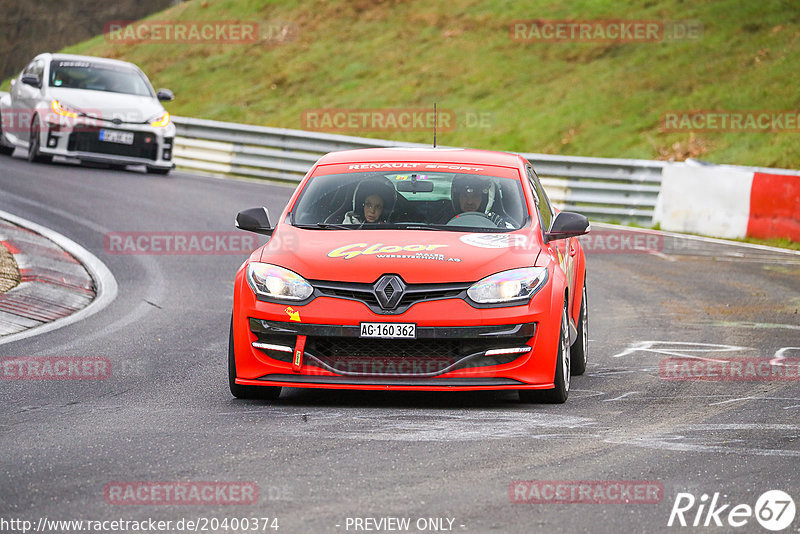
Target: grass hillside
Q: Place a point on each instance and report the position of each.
(590, 98)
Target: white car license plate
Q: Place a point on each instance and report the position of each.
(114, 136)
(389, 330)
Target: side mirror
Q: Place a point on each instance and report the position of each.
(32, 80)
(567, 224)
(165, 95)
(254, 220)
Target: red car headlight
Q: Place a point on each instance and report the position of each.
(277, 283)
(511, 286)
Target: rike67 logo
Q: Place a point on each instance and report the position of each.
(774, 510)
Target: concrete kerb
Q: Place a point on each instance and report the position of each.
(698, 239)
(104, 281)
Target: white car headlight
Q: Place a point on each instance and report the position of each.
(508, 286)
(277, 283)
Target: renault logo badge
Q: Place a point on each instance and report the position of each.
(389, 289)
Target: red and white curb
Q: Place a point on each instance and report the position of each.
(729, 201)
(61, 282)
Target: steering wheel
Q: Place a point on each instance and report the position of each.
(474, 219)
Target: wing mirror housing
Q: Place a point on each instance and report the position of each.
(567, 224)
(254, 220)
(32, 80)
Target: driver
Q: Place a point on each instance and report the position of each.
(476, 194)
(470, 193)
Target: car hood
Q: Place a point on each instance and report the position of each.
(109, 106)
(418, 256)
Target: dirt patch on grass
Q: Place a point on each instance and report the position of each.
(9, 272)
(682, 150)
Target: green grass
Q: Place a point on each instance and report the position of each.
(778, 243)
(589, 99)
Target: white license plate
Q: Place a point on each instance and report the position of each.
(114, 136)
(389, 330)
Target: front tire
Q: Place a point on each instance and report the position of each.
(559, 393)
(34, 144)
(4, 149)
(246, 392)
(580, 348)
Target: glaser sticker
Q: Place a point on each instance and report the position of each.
(356, 249)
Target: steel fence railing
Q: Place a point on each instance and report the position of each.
(601, 188)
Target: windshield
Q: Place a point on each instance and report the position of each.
(436, 201)
(98, 77)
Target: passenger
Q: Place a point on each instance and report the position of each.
(373, 201)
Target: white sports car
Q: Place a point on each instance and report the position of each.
(89, 108)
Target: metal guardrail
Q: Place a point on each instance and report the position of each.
(622, 189)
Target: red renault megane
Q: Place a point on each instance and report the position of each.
(412, 269)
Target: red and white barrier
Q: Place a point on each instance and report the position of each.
(729, 202)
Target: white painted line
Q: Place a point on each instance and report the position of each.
(669, 350)
(739, 399)
(621, 396)
(662, 443)
(780, 353)
(760, 399)
(661, 255)
(700, 238)
(712, 427)
(749, 324)
(104, 281)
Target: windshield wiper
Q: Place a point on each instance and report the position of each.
(417, 226)
(325, 226)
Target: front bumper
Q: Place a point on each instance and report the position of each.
(151, 146)
(458, 347)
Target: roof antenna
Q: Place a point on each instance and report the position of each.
(434, 125)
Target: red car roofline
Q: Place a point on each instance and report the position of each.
(432, 155)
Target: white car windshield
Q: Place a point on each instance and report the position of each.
(72, 74)
(436, 201)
